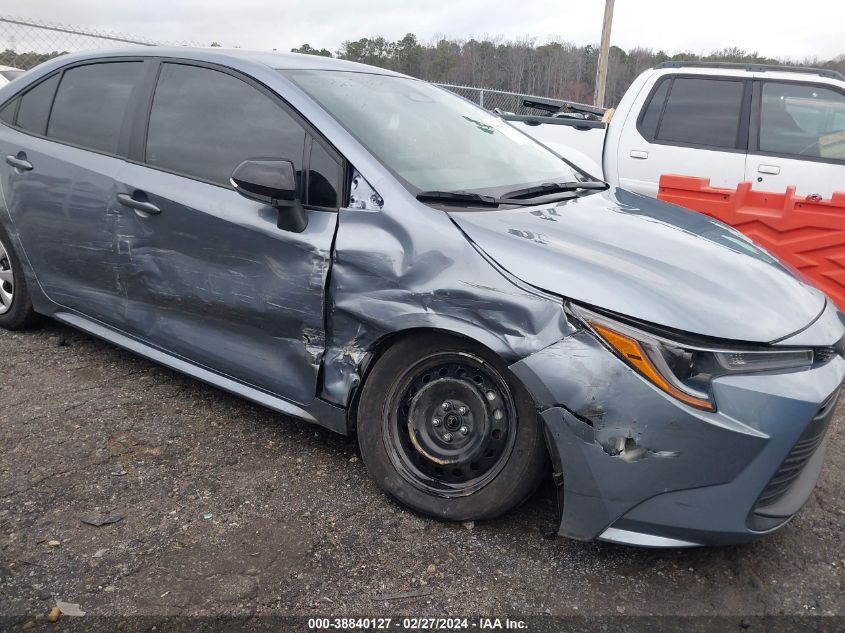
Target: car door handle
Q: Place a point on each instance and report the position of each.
(19, 163)
(638, 153)
(769, 169)
(139, 205)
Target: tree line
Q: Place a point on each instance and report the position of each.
(556, 69)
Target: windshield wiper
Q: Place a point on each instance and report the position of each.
(554, 187)
(464, 197)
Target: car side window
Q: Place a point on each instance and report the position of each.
(91, 103)
(702, 112)
(8, 111)
(802, 120)
(204, 123)
(323, 178)
(35, 106)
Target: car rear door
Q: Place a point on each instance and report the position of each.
(691, 125)
(61, 154)
(210, 276)
(797, 137)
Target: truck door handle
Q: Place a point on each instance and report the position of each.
(147, 208)
(638, 153)
(769, 169)
(19, 163)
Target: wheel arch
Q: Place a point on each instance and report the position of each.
(470, 335)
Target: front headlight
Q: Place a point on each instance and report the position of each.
(684, 370)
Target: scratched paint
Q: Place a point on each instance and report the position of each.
(589, 400)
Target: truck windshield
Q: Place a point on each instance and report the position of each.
(431, 138)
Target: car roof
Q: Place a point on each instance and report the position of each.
(226, 56)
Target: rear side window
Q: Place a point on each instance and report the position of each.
(702, 112)
(91, 103)
(802, 121)
(651, 115)
(35, 106)
(8, 111)
(204, 123)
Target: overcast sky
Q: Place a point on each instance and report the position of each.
(777, 28)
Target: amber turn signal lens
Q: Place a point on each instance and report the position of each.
(631, 350)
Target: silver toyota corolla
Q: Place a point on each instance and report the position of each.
(371, 253)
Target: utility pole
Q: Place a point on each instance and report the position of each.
(604, 53)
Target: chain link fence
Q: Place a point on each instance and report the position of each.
(26, 43)
(493, 99)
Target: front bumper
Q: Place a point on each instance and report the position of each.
(635, 466)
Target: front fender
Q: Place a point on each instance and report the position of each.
(393, 272)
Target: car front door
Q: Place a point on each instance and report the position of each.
(209, 275)
(797, 138)
(689, 125)
(60, 159)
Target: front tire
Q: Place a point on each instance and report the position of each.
(447, 430)
(16, 311)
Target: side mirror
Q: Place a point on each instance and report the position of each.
(272, 182)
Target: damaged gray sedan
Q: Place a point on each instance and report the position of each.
(366, 251)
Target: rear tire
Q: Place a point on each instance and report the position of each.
(16, 311)
(445, 429)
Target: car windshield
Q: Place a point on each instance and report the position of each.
(431, 138)
(11, 74)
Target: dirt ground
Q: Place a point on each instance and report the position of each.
(232, 509)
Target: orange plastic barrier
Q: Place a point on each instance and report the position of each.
(805, 231)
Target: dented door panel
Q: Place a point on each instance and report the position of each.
(64, 211)
(212, 278)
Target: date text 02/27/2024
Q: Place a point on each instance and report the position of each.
(415, 624)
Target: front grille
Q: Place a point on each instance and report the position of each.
(798, 456)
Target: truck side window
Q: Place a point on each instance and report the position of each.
(802, 120)
(651, 114)
(702, 112)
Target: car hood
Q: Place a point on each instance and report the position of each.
(651, 261)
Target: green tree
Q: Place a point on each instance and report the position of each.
(307, 49)
(408, 53)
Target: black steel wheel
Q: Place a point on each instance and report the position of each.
(445, 429)
(450, 424)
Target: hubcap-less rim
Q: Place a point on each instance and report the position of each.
(7, 280)
(449, 424)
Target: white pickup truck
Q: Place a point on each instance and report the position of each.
(772, 125)
(7, 73)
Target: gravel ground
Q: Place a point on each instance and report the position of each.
(231, 509)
